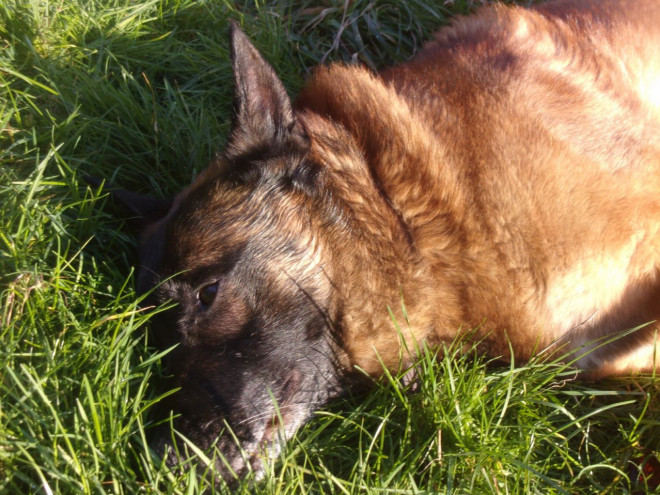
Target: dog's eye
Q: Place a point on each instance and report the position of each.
(206, 294)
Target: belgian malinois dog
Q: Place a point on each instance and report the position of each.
(506, 179)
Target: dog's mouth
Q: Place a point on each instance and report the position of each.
(288, 414)
(277, 432)
(233, 451)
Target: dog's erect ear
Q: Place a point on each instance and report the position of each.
(263, 114)
(146, 208)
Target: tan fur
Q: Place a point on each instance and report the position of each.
(511, 174)
(504, 185)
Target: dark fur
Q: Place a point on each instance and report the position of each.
(506, 178)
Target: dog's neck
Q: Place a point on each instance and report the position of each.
(381, 228)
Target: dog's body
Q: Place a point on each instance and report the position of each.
(522, 156)
(507, 179)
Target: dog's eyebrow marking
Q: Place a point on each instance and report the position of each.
(219, 267)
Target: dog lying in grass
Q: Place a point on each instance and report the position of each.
(504, 182)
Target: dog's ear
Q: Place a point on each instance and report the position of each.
(263, 114)
(146, 209)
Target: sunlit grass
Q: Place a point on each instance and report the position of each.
(139, 93)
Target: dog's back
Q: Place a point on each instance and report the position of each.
(522, 150)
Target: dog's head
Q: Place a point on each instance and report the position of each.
(240, 254)
(278, 261)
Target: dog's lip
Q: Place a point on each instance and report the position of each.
(290, 386)
(279, 429)
(271, 433)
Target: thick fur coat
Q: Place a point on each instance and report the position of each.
(504, 182)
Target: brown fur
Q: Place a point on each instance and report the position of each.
(525, 170)
(507, 179)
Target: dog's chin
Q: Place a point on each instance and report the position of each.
(224, 457)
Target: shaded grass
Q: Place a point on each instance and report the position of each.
(139, 93)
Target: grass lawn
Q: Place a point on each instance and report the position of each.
(139, 93)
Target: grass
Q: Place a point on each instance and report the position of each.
(139, 93)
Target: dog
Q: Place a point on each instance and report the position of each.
(505, 183)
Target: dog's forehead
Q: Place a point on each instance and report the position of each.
(205, 227)
(262, 219)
